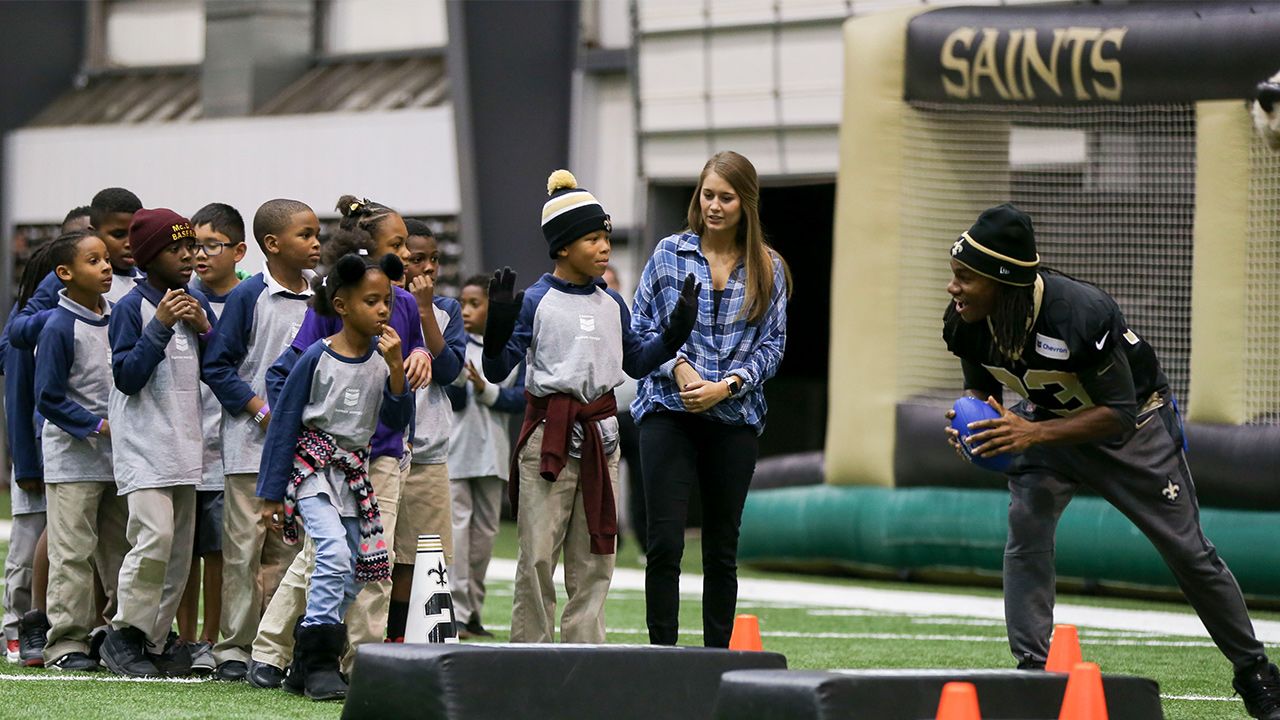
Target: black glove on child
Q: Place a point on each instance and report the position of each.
(684, 316)
(504, 307)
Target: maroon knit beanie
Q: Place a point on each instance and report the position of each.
(153, 230)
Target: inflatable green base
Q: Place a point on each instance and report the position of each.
(950, 533)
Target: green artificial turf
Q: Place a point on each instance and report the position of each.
(809, 637)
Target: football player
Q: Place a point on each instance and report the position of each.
(1096, 410)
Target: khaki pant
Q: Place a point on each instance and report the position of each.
(424, 510)
(19, 570)
(366, 618)
(253, 562)
(552, 518)
(113, 544)
(76, 513)
(477, 510)
(153, 575)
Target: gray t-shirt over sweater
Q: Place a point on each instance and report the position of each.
(257, 323)
(78, 335)
(344, 393)
(157, 441)
(433, 415)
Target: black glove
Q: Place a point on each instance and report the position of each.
(504, 307)
(684, 316)
(1267, 95)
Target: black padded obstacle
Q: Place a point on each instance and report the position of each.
(509, 682)
(913, 695)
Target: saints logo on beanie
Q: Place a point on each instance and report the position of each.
(1001, 245)
(570, 213)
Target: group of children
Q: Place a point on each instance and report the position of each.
(166, 419)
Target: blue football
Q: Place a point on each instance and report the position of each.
(970, 409)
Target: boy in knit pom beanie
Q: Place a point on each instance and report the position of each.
(157, 331)
(575, 335)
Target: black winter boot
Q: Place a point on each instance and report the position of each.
(319, 649)
(295, 675)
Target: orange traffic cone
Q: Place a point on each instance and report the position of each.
(1084, 699)
(1064, 649)
(959, 702)
(746, 633)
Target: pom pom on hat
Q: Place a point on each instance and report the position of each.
(561, 179)
(571, 213)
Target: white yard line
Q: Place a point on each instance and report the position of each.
(909, 602)
(1201, 698)
(103, 676)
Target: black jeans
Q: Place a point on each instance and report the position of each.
(681, 452)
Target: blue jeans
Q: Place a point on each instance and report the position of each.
(337, 539)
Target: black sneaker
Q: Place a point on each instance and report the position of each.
(476, 629)
(1259, 686)
(231, 671)
(175, 659)
(264, 675)
(125, 653)
(33, 631)
(1028, 662)
(74, 662)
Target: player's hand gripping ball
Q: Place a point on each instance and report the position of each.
(969, 409)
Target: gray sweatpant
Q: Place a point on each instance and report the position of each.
(18, 569)
(1146, 477)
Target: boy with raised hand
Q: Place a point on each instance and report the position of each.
(576, 339)
(73, 384)
(157, 332)
(219, 230)
(111, 213)
(260, 319)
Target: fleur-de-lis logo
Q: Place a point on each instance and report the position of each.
(439, 570)
(1171, 491)
(957, 247)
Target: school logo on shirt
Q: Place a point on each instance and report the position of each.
(351, 397)
(587, 323)
(181, 343)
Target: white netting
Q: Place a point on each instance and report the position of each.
(1262, 290)
(1111, 191)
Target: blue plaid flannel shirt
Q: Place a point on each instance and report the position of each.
(720, 345)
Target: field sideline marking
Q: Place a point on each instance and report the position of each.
(922, 602)
(1200, 698)
(835, 635)
(104, 677)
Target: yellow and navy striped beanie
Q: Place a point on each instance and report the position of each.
(570, 213)
(1001, 245)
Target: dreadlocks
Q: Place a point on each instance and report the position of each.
(1010, 321)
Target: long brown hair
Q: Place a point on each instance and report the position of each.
(757, 254)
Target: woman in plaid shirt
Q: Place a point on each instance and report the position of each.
(700, 414)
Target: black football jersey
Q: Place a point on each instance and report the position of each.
(1080, 353)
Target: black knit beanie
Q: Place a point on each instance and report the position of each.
(1001, 245)
(570, 213)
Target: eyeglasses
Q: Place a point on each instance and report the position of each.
(212, 248)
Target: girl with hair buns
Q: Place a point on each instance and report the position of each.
(700, 414)
(315, 464)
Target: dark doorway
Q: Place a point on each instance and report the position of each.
(799, 222)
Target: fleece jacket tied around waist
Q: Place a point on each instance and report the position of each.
(560, 412)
